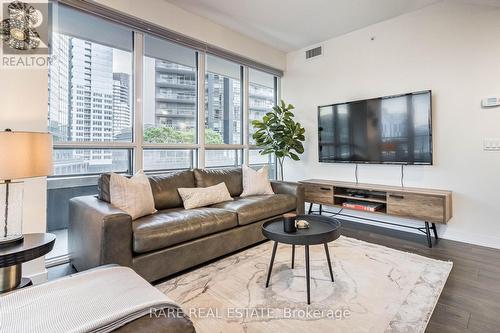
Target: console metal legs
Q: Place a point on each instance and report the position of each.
(310, 208)
(426, 229)
(275, 246)
(293, 255)
(428, 234)
(320, 211)
(435, 231)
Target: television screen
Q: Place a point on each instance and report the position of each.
(393, 130)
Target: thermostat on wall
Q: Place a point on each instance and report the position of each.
(489, 102)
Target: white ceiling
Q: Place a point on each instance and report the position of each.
(293, 24)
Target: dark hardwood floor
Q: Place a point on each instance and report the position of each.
(470, 301)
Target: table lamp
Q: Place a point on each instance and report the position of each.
(22, 155)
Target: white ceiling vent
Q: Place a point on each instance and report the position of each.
(314, 52)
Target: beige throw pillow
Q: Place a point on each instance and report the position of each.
(132, 195)
(203, 196)
(256, 182)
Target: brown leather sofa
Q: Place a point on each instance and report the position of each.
(174, 239)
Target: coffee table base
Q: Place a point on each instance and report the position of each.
(308, 277)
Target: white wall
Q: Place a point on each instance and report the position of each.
(175, 18)
(453, 49)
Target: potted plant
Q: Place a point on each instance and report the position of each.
(279, 134)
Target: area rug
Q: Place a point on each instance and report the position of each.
(376, 289)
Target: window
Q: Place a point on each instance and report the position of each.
(168, 159)
(219, 158)
(90, 92)
(93, 92)
(262, 96)
(90, 161)
(170, 93)
(90, 109)
(256, 160)
(223, 102)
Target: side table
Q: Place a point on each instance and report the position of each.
(13, 255)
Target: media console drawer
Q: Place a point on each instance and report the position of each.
(419, 206)
(322, 194)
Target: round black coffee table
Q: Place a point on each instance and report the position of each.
(322, 230)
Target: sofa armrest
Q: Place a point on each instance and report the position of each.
(98, 234)
(295, 189)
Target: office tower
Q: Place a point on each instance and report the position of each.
(59, 106)
(261, 100)
(223, 111)
(91, 117)
(175, 97)
(122, 117)
(59, 88)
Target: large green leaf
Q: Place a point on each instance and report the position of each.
(279, 134)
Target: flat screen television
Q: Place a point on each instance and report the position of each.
(385, 130)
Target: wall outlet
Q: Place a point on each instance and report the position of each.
(491, 144)
(490, 102)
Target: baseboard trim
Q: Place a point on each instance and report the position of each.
(444, 231)
(61, 260)
(472, 238)
(40, 277)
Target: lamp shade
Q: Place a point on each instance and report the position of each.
(25, 155)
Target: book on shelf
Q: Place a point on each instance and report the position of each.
(364, 206)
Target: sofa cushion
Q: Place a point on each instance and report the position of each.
(165, 186)
(170, 227)
(259, 207)
(230, 176)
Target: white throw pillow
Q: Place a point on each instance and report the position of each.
(132, 195)
(256, 182)
(194, 197)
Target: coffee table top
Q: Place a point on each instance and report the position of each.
(322, 229)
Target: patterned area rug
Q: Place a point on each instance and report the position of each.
(376, 289)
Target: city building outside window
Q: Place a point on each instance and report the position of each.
(262, 96)
(90, 95)
(223, 101)
(170, 93)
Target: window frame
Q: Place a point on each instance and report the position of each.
(137, 145)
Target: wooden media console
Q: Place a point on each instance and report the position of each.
(429, 205)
